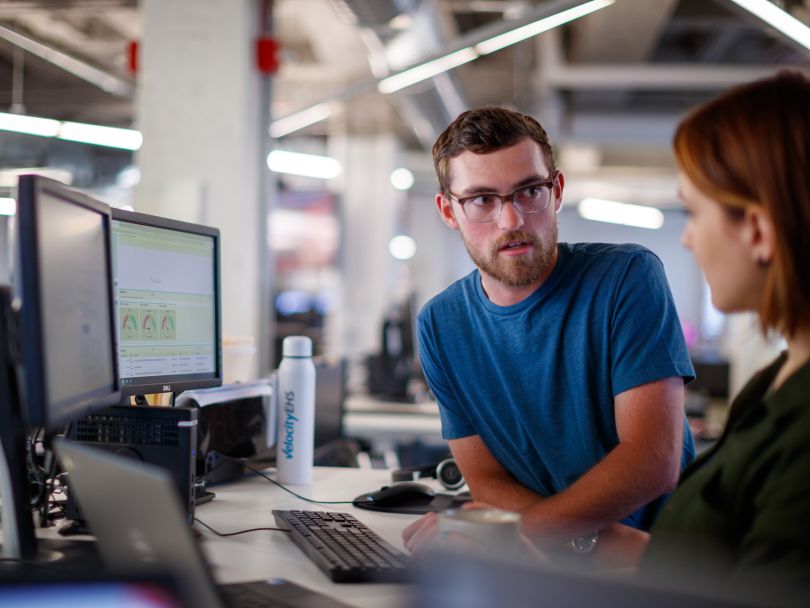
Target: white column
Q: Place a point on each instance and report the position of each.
(198, 109)
(370, 207)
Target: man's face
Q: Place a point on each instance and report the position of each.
(515, 250)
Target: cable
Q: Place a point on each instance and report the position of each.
(285, 488)
(205, 525)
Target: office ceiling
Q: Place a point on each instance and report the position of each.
(609, 86)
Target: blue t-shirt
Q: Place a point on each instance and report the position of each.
(537, 380)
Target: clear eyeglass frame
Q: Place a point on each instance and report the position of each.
(475, 213)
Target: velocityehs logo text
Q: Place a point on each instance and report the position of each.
(289, 424)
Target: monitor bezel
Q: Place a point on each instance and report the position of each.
(37, 408)
(170, 384)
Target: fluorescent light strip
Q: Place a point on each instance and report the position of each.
(32, 125)
(299, 120)
(8, 206)
(613, 212)
(501, 41)
(426, 70)
(111, 137)
(778, 18)
(307, 165)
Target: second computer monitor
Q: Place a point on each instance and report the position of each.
(166, 282)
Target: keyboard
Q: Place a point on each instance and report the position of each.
(345, 549)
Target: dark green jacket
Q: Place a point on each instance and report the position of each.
(740, 516)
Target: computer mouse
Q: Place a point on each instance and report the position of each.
(398, 495)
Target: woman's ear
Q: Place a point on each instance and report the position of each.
(759, 232)
(446, 212)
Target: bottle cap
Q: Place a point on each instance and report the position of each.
(296, 346)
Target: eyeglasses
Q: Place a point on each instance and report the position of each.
(485, 207)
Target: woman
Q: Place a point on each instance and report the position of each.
(740, 517)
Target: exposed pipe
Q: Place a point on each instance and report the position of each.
(110, 83)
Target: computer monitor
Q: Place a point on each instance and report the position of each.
(167, 304)
(57, 335)
(66, 318)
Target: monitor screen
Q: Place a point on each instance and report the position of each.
(66, 317)
(166, 284)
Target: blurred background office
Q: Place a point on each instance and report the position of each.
(214, 102)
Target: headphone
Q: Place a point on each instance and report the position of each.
(447, 472)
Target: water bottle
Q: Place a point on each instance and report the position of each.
(296, 411)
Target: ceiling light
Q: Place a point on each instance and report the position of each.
(8, 206)
(519, 34)
(111, 137)
(778, 18)
(402, 179)
(307, 165)
(612, 212)
(299, 120)
(426, 70)
(402, 247)
(31, 125)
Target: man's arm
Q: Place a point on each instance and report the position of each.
(645, 464)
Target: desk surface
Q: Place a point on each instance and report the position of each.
(255, 555)
(387, 423)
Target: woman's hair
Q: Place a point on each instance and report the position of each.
(485, 130)
(751, 146)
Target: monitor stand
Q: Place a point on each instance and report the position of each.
(202, 496)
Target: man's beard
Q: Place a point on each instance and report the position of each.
(517, 271)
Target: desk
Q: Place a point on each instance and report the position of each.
(255, 555)
(387, 423)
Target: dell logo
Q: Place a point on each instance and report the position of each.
(167, 388)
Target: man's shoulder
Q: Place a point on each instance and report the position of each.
(605, 251)
(606, 259)
(453, 296)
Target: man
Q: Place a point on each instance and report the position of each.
(558, 368)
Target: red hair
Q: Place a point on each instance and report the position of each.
(751, 146)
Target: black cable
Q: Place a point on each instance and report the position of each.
(49, 491)
(205, 525)
(285, 488)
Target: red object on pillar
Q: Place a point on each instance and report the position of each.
(132, 56)
(267, 55)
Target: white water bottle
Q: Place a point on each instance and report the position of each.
(296, 411)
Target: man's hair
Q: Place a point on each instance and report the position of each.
(485, 130)
(751, 146)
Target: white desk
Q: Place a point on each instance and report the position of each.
(255, 555)
(387, 423)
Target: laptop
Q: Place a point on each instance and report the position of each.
(134, 512)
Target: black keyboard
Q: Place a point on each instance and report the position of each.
(345, 549)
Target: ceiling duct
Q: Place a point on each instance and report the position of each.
(375, 14)
(426, 109)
